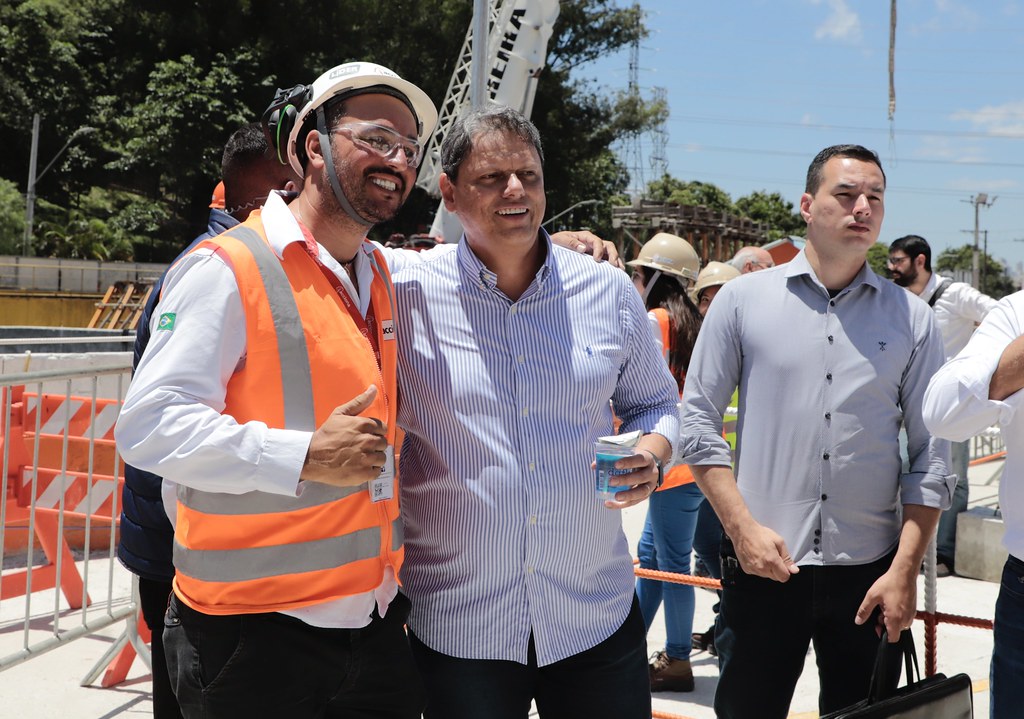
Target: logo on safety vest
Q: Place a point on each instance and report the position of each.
(387, 328)
(166, 321)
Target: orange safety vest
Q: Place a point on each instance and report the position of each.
(264, 552)
(680, 474)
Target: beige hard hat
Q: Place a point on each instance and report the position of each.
(714, 273)
(669, 254)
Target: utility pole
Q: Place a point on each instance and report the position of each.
(979, 200)
(30, 190)
(33, 178)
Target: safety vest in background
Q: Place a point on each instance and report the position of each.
(680, 474)
(305, 355)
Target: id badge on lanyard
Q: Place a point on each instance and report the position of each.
(383, 488)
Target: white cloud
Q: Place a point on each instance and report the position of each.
(1005, 119)
(808, 119)
(943, 148)
(842, 24)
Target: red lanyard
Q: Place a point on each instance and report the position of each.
(367, 326)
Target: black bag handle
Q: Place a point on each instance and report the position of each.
(886, 676)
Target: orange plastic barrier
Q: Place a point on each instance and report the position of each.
(75, 474)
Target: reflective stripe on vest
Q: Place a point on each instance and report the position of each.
(258, 551)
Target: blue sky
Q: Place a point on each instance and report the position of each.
(756, 87)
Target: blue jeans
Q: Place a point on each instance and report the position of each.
(608, 681)
(1006, 690)
(666, 544)
(945, 537)
(765, 627)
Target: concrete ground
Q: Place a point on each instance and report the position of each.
(48, 685)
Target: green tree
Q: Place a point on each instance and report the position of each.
(773, 210)
(166, 82)
(878, 254)
(995, 280)
(12, 218)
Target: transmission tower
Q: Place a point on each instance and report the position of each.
(632, 153)
(659, 137)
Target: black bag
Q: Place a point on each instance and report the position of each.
(937, 697)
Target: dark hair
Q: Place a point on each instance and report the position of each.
(912, 246)
(458, 143)
(246, 146)
(684, 320)
(816, 169)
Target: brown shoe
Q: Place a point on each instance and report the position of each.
(669, 674)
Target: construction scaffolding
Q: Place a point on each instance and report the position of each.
(121, 306)
(715, 235)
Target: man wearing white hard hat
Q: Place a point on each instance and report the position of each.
(268, 395)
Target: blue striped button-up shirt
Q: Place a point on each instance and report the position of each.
(501, 402)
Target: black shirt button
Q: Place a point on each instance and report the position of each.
(824, 497)
(829, 376)
(825, 456)
(831, 339)
(828, 415)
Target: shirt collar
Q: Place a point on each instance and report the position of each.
(283, 229)
(800, 265)
(933, 284)
(484, 278)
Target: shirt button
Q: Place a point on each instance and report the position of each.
(817, 541)
(829, 376)
(824, 497)
(533, 519)
(831, 339)
(817, 550)
(532, 466)
(831, 303)
(512, 310)
(817, 532)
(521, 359)
(825, 456)
(529, 570)
(828, 415)
(526, 411)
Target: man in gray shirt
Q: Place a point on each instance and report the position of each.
(826, 533)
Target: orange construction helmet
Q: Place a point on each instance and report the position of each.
(217, 201)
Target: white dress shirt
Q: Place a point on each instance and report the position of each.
(958, 311)
(957, 407)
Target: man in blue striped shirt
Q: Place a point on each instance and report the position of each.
(513, 352)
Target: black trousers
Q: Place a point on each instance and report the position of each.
(764, 629)
(153, 598)
(273, 666)
(608, 681)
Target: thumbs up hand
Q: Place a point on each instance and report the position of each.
(347, 449)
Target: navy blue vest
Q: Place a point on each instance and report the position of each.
(146, 534)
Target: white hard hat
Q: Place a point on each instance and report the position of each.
(350, 78)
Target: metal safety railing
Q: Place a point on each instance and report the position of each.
(60, 490)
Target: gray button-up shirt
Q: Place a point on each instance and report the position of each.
(824, 384)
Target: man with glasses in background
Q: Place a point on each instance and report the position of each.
(959, 309)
